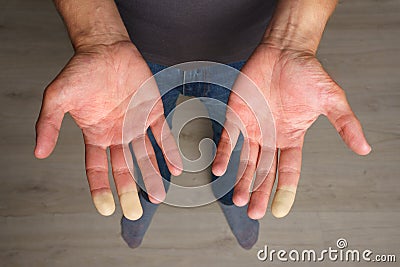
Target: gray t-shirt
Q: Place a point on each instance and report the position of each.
(168, 32)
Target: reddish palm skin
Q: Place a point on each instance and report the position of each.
(95, 87)
(298, 90)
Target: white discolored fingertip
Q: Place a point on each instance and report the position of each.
(283, 202)
(131, 206)
(104, 203)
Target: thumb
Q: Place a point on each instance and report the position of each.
(346, 123)
(48, 124)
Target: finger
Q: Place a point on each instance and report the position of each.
(226, 144)
(247, 168)
(260, 196)
(124, 182)
(166, 142)
(289, 167)
(348, 126)
(97, 175)
(48, 124)
(236, 121)
(147, 163)
(150, 104)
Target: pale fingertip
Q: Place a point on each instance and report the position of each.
(282, 203)
(131, 207)
(104, 203)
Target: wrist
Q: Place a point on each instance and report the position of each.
(298, 24)
(292, 38)
(108, 48)
(92, 22)
(83, 41)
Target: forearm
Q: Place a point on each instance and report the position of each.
(299, 24)
(91, 22)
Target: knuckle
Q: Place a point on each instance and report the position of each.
(289, 170)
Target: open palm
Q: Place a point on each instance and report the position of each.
(298, 90)
(96, 87)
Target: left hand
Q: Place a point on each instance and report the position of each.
(298, 90)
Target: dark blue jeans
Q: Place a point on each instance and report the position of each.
(204, 91)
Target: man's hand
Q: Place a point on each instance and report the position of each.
(298, 90)
(95, 87)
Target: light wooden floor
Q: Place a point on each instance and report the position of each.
(46, 215)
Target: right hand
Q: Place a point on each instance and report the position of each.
(95, 87)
